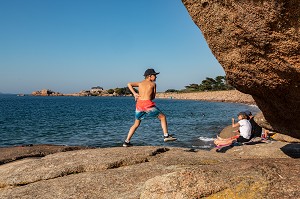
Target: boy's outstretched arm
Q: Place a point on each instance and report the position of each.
(130, 86)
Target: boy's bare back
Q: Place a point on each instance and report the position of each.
(147, 87)
(147, 90)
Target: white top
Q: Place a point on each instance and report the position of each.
(245, 128)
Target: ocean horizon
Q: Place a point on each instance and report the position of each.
(105, 121)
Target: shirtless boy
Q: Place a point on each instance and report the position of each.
(145, 106)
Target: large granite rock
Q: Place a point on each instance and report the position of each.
(156, 172)
(261, 121)
(258, 45)
(229, 132)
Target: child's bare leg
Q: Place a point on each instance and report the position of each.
(225, 139)
(133, 129)
(164, 124)
(223, 142)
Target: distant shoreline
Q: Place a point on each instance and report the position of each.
(233, 96)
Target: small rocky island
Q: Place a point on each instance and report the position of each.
(94, 91)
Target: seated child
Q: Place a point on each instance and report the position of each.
(243, 134)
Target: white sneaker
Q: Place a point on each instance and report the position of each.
(169, 138)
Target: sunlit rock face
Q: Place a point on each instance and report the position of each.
(257, 42)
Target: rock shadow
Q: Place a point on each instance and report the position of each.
(292, 150)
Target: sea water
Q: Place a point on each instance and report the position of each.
(105, 121)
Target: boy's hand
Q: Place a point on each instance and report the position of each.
(136, 96)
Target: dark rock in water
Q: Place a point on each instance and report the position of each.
(258, 45)
(228, 132)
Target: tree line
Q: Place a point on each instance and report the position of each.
(120, 91)
(209, 84)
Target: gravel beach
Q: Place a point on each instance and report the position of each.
(216, 96)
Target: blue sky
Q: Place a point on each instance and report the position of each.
(73, 45)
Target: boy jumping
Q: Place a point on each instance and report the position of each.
(145, 105)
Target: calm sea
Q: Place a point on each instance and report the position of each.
(105, 121)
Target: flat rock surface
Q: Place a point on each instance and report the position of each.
(265, 170)
(8, 154)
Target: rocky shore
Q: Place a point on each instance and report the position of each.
(265, 170)
(217, 96)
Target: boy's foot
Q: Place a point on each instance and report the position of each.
(127, 144)
(169, 138)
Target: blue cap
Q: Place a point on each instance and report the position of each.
(150, 71)
(248, 113)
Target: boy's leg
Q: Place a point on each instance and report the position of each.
(164, 124)
(133, 129)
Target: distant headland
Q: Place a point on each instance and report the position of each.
(94, 91)
(233, 96)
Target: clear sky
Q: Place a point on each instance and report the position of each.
(73, 45)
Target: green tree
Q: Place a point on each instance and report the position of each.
(220, 83)
(171, 91)
(123, 91)
(118, 91)
(207, 84)
(192, 87)
(210, 84)
(110, 91)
